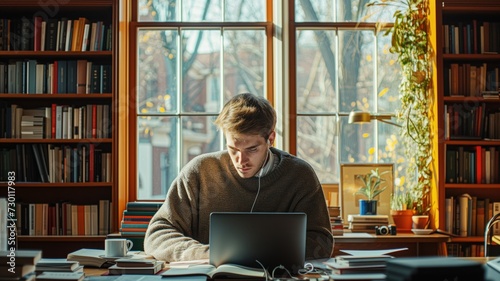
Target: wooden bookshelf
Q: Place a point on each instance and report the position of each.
(60, 56)
(467, 62)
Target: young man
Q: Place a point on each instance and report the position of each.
(250, 175)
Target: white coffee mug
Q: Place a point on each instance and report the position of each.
(117, 247)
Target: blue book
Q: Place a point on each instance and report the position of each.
(62, 76)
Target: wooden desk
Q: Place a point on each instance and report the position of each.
(418, 245)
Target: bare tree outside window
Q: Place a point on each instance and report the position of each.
(193, 55)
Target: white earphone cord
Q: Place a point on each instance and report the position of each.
(260, 175)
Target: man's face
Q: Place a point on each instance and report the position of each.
(248, 153)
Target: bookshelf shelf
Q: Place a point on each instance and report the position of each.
(61, 96)
(468, 100)
(472, 239)
(65, 238)
(58, 121)
(57, 141)
(63, 185)
(479, 57)
(474, 186)
(56, 54)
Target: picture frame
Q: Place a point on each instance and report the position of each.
(349, 184)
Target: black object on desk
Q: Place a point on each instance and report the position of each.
(434, 269)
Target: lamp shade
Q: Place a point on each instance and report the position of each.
(359, 117)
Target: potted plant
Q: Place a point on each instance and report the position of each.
(372, 187)
(402, 210)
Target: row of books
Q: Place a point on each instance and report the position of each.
(470, 80)
(40, 34)
(63, 218)
(469, 122)
(56, 163)
(58, 121)
(465, 250)
(477, 164)
(136, 217)
(467, 215)
(57, 77)
(473, 37)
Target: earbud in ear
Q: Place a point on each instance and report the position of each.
(268, 142)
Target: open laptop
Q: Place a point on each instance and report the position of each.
(273, 239)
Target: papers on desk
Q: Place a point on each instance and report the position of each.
(365, 253)
(360, 264)
(495, 264)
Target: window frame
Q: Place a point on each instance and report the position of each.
(280, 74)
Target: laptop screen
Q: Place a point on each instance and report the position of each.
(273, 239)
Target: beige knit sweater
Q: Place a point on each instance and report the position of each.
(209, 183)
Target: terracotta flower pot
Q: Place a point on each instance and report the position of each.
(402, 219)
(420, 221)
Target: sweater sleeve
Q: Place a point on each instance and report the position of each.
(319, 241)
(170, 235)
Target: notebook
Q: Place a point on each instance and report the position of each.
(273, 239)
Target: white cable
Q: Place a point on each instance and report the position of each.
(260, 175)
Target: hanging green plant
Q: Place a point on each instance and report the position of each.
(410, 41)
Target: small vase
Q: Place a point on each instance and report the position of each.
(367, 207)
(420, 221)
(402, 220)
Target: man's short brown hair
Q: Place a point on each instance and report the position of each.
(247, 114)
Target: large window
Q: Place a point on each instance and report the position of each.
(191, 56)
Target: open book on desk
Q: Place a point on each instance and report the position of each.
(222, 271)
(96, 258)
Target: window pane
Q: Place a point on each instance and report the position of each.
(389, 76)
(201, 67)
(315, 10)
(157, 160)
(158, 10)
(316, 69)
(356, 71)
(245, 10)
(199, 135)
(317, 144)
(340, 11)
(357, 142)
(244, 62)
(157, 71)
(201, 10)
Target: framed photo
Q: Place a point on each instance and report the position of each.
(349, 184)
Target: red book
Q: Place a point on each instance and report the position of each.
(81, 219)
(54, 78)
(64, 219)
(479, 164)
(53, 121)
(37, 36)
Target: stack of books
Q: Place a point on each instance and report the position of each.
(366, 223)
(62, 276)
(57, 265)
(136, 266)
(347, 267)
(336, 220)
(32, 127)
(136, 219)
(19, 264)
